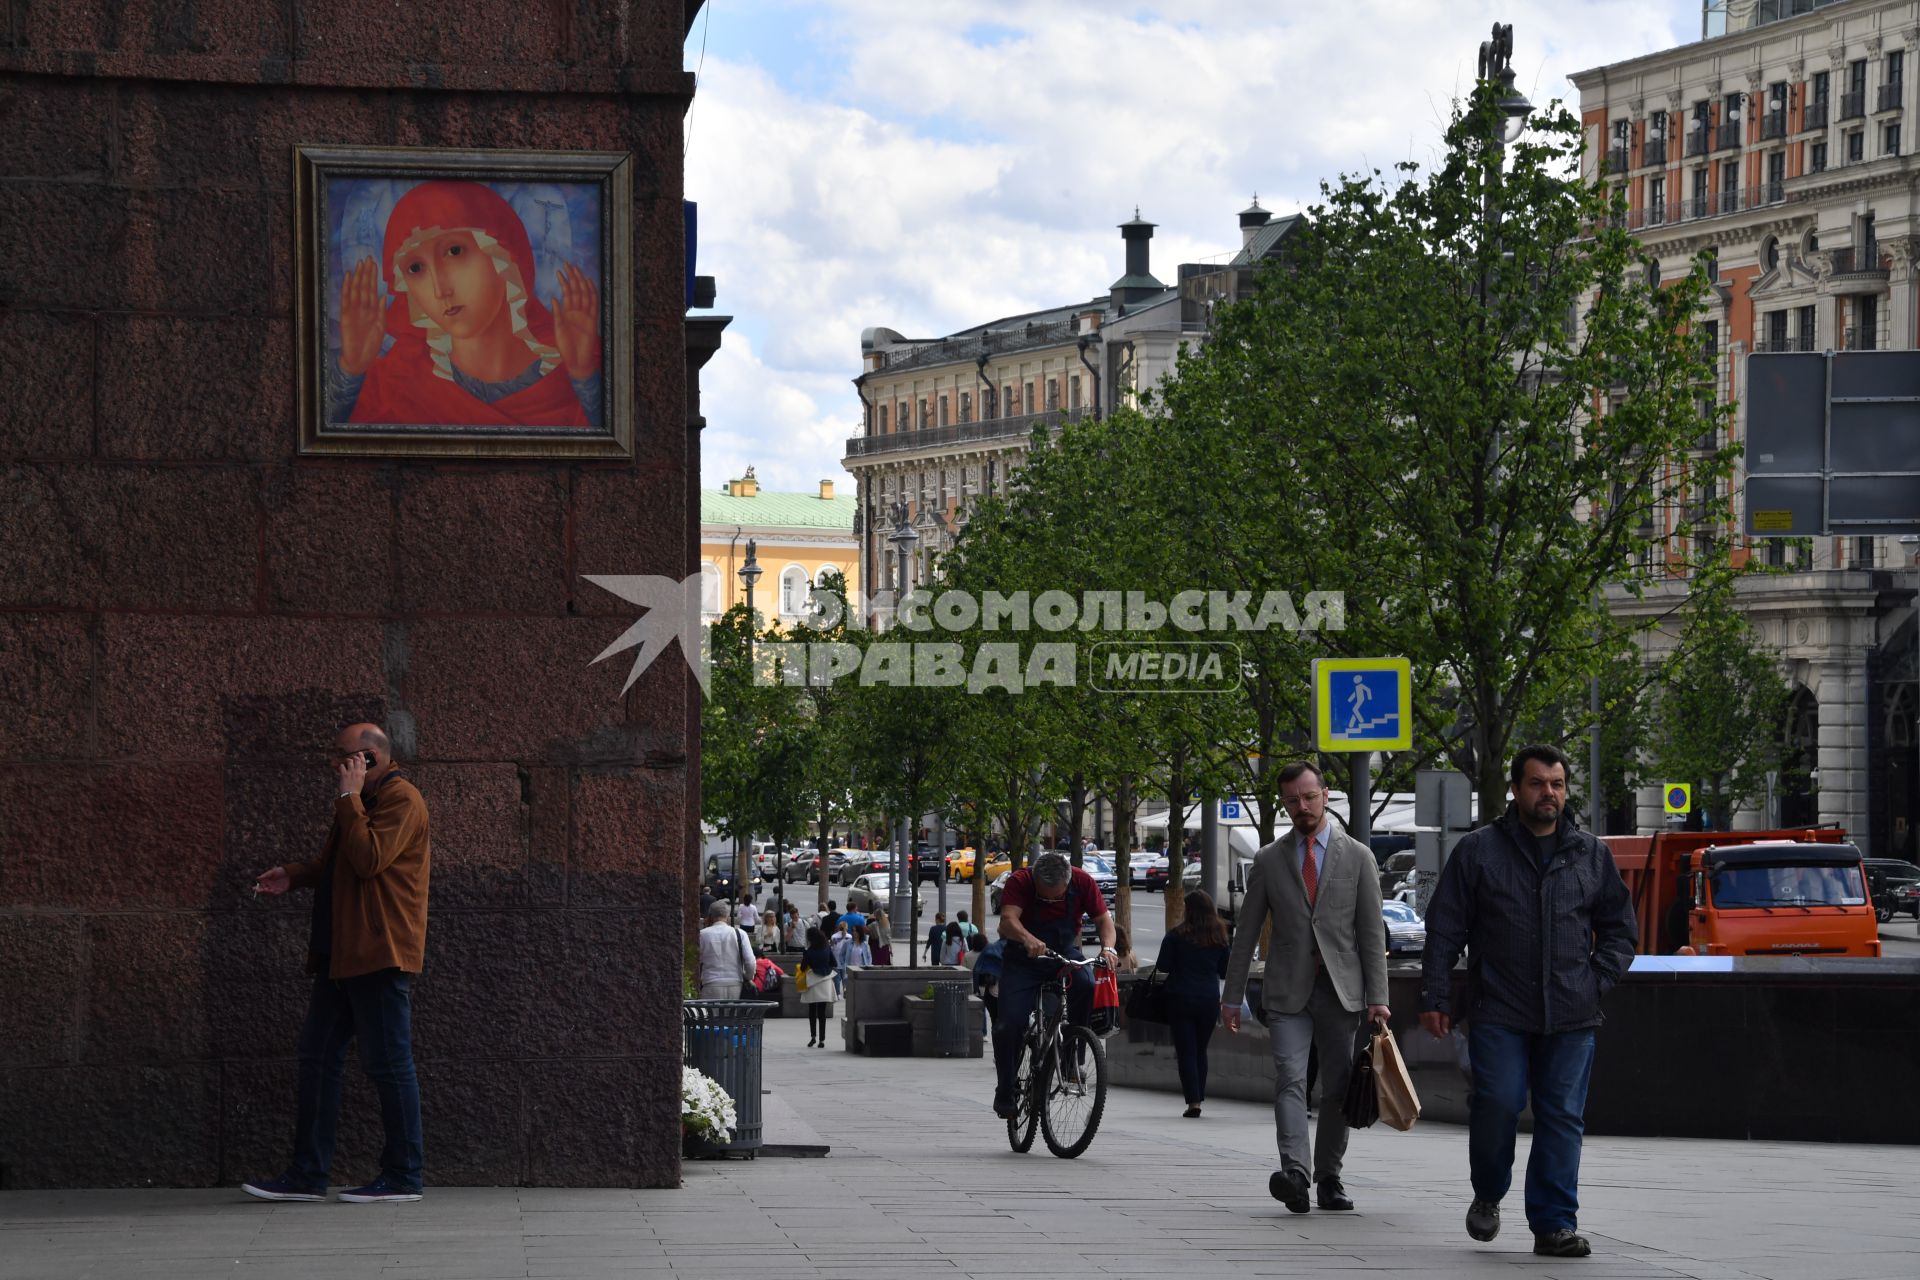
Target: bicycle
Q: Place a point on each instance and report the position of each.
(1061, 1086)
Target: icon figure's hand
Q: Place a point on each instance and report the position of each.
(576, 323)
(360, 330)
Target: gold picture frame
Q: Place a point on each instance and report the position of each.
(464, 303)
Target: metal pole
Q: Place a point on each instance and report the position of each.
(1597, 820)
(1360, 798)
(1209, 846)
(940, 852)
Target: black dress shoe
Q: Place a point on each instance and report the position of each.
(1332, 1195)
(1290, 1189)
(1561, 1244)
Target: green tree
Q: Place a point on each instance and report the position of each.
(1406, 410)
(1718, 712)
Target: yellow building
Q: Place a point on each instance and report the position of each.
(796, 536)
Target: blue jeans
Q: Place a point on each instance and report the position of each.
(377, 1009)
(1507, 1066)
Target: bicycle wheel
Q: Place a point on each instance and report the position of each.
(1076, 1092)
(1026, 1104)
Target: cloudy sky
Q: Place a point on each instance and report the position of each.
(928, 165)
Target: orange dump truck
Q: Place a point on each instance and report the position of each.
(1748, 893)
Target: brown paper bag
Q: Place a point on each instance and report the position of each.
(1399, 1103)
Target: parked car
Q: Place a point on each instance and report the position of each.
(1896, 875)
(720, 879)
(765, 854)
(961, 863)
(870, 892)
(860, 862)
(1406, 932)
(1395, 869)
(1140, 867)
(928, 863)
(995, 889)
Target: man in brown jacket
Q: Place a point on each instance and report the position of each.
(366, 942)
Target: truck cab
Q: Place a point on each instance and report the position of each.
(1748, 893)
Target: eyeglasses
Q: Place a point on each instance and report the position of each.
(1304, 798)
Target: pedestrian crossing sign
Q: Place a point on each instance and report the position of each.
(1679, 797)
(1362, 704)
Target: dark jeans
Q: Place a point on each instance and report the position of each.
(1191, 1024)
(375, 1008)
(1019, 996)
(1507, 1066)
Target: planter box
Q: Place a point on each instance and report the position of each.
(919, 1013)
(874, 994)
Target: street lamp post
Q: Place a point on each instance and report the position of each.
(750, 573)
(900, 895)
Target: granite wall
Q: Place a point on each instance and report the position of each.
(189, 610)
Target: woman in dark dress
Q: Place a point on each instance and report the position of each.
(1193, 955)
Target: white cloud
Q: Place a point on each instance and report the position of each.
(968, 160)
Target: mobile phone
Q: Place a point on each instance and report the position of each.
(368, 757)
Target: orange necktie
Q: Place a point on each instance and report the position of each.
(1310, 873)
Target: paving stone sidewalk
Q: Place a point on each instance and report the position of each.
(921, 1185)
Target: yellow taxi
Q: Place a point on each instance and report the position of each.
(960, 864)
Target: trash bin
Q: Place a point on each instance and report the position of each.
(950, 1037)
(723, 1042)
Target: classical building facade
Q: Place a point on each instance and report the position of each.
(1782, 148)
(948, 419)
(797, 538)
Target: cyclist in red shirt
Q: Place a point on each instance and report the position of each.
(1041, 910)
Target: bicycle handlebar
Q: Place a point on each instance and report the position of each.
(1051, 954)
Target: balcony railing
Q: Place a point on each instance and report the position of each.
(1815, 116)
(1863, 339)
(1773, 124)
(1889, 97)
(1857, 268)
(1802, 342)
(1692, 208)
(1727, 136)
(1653, 151)
(1853, 105)
(1014, 428)
(1696, 142)
(1617, 159)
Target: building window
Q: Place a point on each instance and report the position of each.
(1816, 157)
(1856, 145)
(1890, 138)
(883, 419)
(1776, 177)
(1770, 254)
(1033, 401)
(1699, 209)
(1053, 394)
(966, 406)
(1820, 83)
(943, 411)
(793, 591)
(1806, 328)
(1712, 330)
(1073, 392)
(1776, 321)
(1730, 186)
(1713, 263)
(1866, 324)
(1656, 201)
(1653, 273)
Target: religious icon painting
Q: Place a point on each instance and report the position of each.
(464, 303)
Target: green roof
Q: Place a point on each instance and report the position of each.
(782, 510)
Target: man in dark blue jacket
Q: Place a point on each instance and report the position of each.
(1548, 928)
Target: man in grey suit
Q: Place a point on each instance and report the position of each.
(1327, 958)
